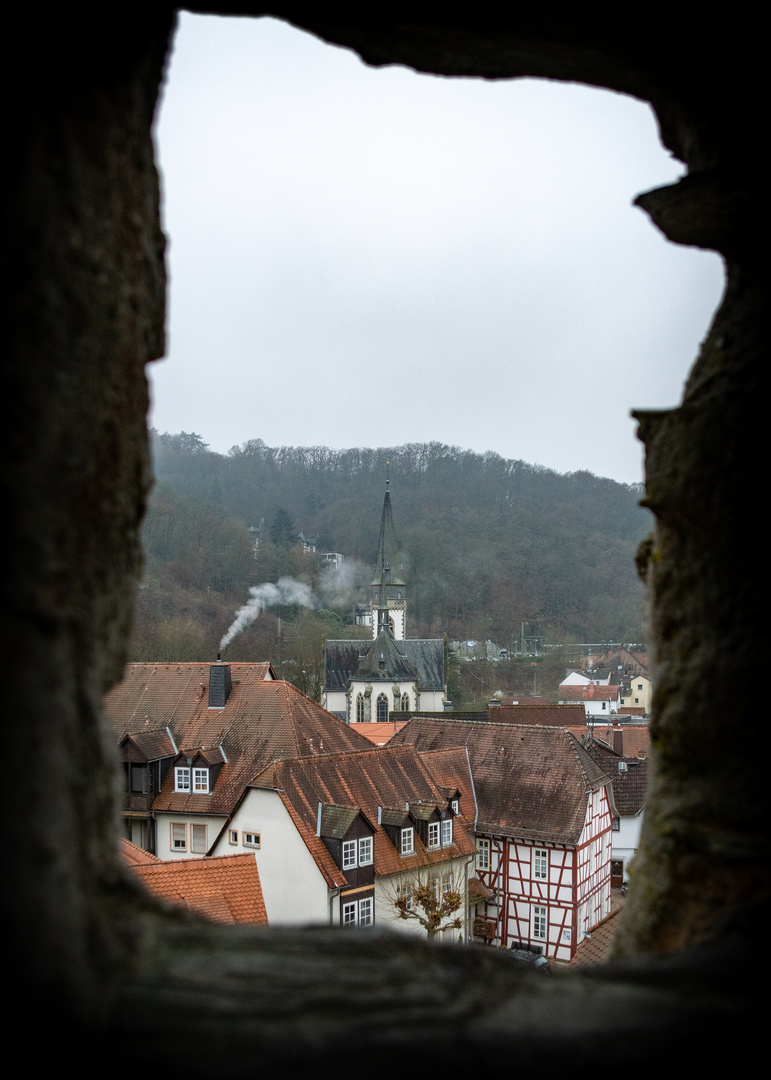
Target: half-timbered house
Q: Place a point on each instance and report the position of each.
(541, 811)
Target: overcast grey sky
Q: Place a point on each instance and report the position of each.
(368, 257)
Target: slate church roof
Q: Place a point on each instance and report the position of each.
(409, 658)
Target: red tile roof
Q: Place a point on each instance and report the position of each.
(570, 692)
(529, 782)
(223, 889)
(388, 778)
(380, 733)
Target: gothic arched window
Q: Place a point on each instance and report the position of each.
(405, 702)
(359, 708)
(382, 708)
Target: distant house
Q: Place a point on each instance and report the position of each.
(541, 810)
(598, 700)
(224, 890)
(191, 737)
(340, 837)
(636, 693)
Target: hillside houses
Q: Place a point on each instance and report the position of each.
(543, 811)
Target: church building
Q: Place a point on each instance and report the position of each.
(363, 683)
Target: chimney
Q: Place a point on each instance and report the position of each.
(618, 742)
(219, 685)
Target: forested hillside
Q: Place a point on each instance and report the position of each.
(488, 545)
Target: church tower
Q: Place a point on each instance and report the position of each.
(388, 593)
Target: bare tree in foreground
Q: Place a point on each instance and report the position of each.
(432, 901)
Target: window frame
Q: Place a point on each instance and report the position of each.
(540, 864)
(251, 839)
(200, 781)
(358, 912)
(539, 922)
(446, 832)
(366, 851)
(177, 845)
(434, 835)
(407, 841)
(195, 834)
(182, 779)
(484, 860)
(349, 854)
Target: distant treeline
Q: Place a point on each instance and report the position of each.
(489, 544)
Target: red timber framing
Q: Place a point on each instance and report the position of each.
(551, 894)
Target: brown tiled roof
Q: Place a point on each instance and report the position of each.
(529, 782)
(134, 855)
(391, 777)
(595, 949)
(224, 889)
(635, 739)
(260, 722)
(630, 784)
(573, 716)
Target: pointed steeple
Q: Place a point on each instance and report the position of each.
(388, 588)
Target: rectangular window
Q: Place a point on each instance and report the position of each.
(178, 837)
(365, 851)
(539, 923)
(233, 836)
(198, 839)
(349, 854)
(201, 781)
(433, 835)
(447, 832)
(540, 864)
(408, 842)
(455, 804)
(182, 780)
(483, 854)
(407, 892)
(359, 912)
(251, 839)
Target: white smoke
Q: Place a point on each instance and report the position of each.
(339, 586)
(285, 591)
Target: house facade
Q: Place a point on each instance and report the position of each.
(192, 736)
(338, 839)
(542, 821)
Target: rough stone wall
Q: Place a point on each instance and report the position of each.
(86, 314)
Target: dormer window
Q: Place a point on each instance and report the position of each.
(433, 835)
(182, 780)
(408, 842)
(357, 853)
(447, 832)
(201, 781)
(455, 805)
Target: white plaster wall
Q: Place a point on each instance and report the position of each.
(163, 833)
(294, 888)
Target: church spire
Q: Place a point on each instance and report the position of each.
(388, 589)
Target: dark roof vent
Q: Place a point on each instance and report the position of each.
(220, 685)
